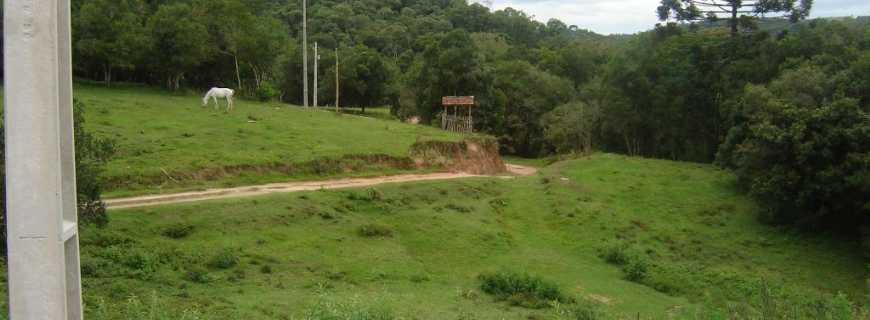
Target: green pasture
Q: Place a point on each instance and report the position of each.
(415, 250)
(168, 142)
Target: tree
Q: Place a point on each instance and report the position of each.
(365, 78)
(449, 68)
(739, 12)
(236, 32)
(521, 94)
(181, 42)
(111, 33)
(803, 152)
(572, 127)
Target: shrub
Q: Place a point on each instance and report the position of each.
(106, 238)
(198, 274)
(803, 154)
(266, 91)
(369, 195)
(615, 253)
(636, 269)
(521, 289)
(375, 231)
(178, 231)
(225, 259)
(267, 269)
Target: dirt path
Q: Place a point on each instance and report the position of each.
(287, 187)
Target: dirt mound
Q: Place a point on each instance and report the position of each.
(474, 156)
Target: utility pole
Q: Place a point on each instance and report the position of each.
(44, 278)
(305, 53)
(336, 81)
(316, 58)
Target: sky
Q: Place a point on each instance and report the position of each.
(630, 16)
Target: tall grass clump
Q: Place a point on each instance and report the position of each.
(224, 259)
(634, 265)
(134, 307)
(522, 290)
(327, 308)
(582, 310)
(375, 231)
(178, 230)
(780, 303)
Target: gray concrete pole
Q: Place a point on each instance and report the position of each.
(305, 53)
(316, 58)
(42, 232)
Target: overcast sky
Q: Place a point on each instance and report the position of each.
(630, 16)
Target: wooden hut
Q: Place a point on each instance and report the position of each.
(457, 114)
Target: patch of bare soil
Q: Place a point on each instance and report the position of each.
(521, 170)
(473, 155)
(288, 187)
(248, 191)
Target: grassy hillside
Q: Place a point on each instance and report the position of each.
(169, 142)
(416, 250)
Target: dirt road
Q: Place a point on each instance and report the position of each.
(287, 187)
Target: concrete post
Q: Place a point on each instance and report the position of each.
(42, 232)
(305, 53)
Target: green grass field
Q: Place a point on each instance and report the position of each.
(416, 250)
(168, 142)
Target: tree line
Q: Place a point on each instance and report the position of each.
(787, 109)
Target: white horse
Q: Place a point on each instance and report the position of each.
(222, 93)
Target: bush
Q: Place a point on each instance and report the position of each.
(198, 274)
(375, 231)
(615, 253)
(225, 259)
(521, 289)
(178, 231)
(636, 269)
(266, 269)
(266, 91)
(370, 195)
(803, 152)
(634, 264)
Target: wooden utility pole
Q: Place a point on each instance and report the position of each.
(305, 53)
(336, 80)
(316, 58)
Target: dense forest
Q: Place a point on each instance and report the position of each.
(785, 107)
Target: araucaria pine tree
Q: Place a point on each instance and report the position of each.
(739, 13)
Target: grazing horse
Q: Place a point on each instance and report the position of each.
(222, 93)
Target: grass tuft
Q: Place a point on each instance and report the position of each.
(178, 231)
(522, 290)
(225, 259)
(375, 231)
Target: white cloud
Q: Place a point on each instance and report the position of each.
(629, 16)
